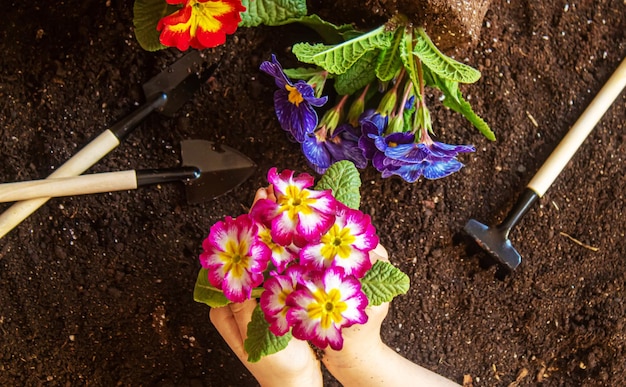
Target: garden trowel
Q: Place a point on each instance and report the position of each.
(208, 171)
(166, 92)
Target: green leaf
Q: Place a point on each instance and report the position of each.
(383, 282)
(205, 292)
(406, 55)
(454, 100)
(337, 59)
(271, 12)
(390, 61)
(344, 180)
(358, 75)
(147, 14)
(304, 73)
(330, 33)
(261, 341)
(441, 64)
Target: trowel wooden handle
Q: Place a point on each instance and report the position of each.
(93, 183)
(68, 186)
(559, 158)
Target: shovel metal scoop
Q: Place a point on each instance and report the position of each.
(165, 93)
(495, 240)
(207, 170)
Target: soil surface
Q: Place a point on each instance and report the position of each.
(97, 290)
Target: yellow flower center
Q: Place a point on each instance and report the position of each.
(337, 242)
(294, 95)
(295, 201)
(327, 307)
(235, 258)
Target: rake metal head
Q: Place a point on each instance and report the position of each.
(495, 241)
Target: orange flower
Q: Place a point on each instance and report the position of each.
(200, 23)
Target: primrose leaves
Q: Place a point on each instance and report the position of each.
(147, 14)
(441, 64)
(261, 341)
(271, 12)
(383, 282)
(357, 76)
(344, 180)
(338, 58)
(205, 292)
(454, 100)
(390, 62)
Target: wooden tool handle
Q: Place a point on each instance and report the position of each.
(68, 186)
(563, 153)
(78, 164)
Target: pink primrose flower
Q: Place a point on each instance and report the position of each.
(274, 299)
(346, 244)
(200, 23)
(235, 257)
(323, 304)
(298, 215)
(281, 256)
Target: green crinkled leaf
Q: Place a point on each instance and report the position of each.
(271, 12)
(359, 75)
(389, 61)
(441, 64)
(454, 100)
(337, 59)
(147, 14)
(383, 282)
(344, 180)
(205, 292)
(261, 341)
(304, 73)
(329, 32)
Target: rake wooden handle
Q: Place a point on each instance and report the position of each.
(563, 153)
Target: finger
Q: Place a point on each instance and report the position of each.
(271, 195)
(261, 193)
(242, 313)
(379, 253)
(224, 321)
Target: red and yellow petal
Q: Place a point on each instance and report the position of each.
(201, 24)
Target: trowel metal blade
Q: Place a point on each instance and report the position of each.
(222, 169)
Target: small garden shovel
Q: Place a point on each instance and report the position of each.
(495, 240)
(166, 93)
(208, 171)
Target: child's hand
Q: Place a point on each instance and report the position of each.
(361, 338)
(295, 365)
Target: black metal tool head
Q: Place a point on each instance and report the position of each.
(495, 241)
(179, 81)
(221, 169)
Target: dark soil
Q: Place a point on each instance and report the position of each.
(97, 290)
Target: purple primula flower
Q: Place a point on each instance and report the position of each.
(274, 298)
(323, 304)
(372, 125)
(293, 102)
(322, 151)
(298, 215)
(429, 158)
(346, 244)
(235, 257)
